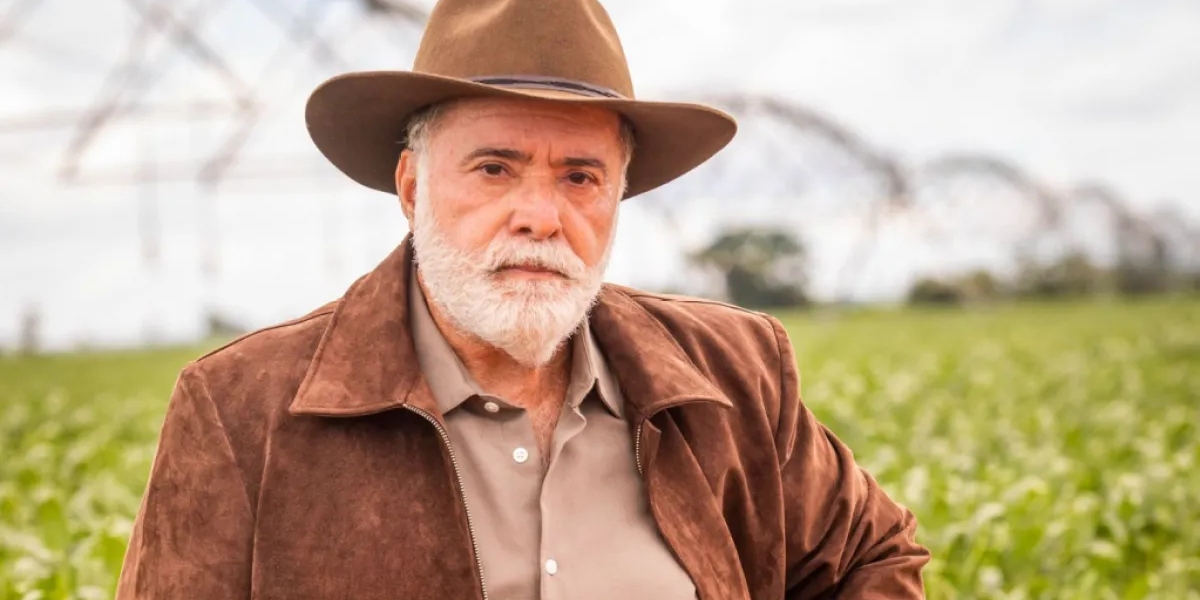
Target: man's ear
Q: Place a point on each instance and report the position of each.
(406, 183)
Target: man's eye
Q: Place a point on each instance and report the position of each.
(580, 178)
(493, 169)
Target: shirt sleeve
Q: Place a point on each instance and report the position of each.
(193, 532)
(846, 538)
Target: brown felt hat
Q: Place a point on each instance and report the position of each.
(562, 50)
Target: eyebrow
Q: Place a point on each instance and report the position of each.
(522, 157)
(506, 153)
(573, 161)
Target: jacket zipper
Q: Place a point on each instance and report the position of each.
(637, 446)
(461, 492)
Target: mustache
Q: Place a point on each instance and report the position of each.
(551, 256)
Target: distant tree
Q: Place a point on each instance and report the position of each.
(222, 326)
(1072, 275)
(30, 337)
(975, 286)
(929, 290)
(1145, 268)
(980, 285)
(761, 267)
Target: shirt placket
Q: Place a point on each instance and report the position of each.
(508, 465)
(553, 571)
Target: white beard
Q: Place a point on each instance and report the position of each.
(529, 320)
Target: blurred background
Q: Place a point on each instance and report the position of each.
(979, 220)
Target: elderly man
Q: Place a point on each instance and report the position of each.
(481, 417)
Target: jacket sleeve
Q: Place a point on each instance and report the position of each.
(846, 538)
(192, 534)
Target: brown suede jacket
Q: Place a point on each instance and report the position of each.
(308, 460)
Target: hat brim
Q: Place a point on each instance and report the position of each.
(357, 121)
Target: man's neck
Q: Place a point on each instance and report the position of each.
(499, 373)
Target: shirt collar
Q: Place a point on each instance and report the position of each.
(452, 384)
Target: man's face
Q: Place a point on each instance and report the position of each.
(504, 168)
(512, 204)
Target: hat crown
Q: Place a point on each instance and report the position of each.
(561, 39)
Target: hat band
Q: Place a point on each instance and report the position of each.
(548, 83)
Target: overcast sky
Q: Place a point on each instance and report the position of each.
(1070, 90)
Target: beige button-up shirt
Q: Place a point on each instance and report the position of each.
(580, 528)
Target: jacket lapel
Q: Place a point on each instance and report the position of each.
(653, 370)
(366, 361)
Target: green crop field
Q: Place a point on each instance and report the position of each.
(1049, 451)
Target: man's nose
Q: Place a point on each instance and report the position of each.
(535, 214)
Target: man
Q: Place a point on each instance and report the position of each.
(479, 417)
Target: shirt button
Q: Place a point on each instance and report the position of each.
(551, 566)
(520, 455)
(491, 407)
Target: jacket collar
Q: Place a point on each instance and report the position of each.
(366, 360)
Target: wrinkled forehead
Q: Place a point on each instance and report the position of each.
(514, 119)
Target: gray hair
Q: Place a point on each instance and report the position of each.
(419, 127)
(424, 121)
